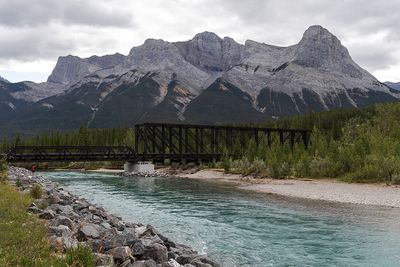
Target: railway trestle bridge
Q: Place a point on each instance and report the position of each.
(158, 142)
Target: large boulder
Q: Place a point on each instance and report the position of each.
(47, 214)
(54, 199)
(61, 238)
(121, 254)
(138, 248)
(60, 231)
(150, 230)
(203, 261)
(87, 231)
(140, 231)
(148, 240)
(34, 209)
(62, 220)
(80, 205)
(145, 263)
(157, 252)
(62, 243)
(97, 245)
(198, 263)
(104, 260)
(66, 197)
(116, 222)
(100, 212)
(119, 240)
(171, 263)
(66, 210)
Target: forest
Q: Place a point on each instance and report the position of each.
(354, 145)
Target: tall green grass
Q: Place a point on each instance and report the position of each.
(23, 237)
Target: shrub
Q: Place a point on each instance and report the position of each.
(279, 170)
(395, 180)
(302, 168)
(244, 165)
(226, 161)
(18, 183)
(36, 191)
(3, 169)
(375, 169)
(258, 166)
(81, 256)
(321, 167)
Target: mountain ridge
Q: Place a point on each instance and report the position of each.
(393, 85)
(207, 79)
(3, 80)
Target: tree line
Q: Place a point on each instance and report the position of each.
(351, 144)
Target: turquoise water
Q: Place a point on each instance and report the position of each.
(240, 228)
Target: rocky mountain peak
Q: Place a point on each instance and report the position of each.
(3, 80)
(211, 53)
(206, 37)
(321, 49)
(70, 69)
(151, 52)
(318, 32)
(154, 42)
(107, 61)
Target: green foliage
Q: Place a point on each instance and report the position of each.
(81, 256)
(357, 145)
(23, 238)
(3, 169)
(42, 205)
(36, 191)
(226, 161)
(84, 136)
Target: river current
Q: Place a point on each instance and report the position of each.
(241, 228)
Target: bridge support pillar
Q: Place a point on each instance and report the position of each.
(140, 166)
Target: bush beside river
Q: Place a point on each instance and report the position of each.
(354, 145)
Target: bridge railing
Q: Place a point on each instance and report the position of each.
(70, 153)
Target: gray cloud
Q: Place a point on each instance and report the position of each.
(373, 56)
(27, 13)
(282, 22)
(27, 45)
(44, 29)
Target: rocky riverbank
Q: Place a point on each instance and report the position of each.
(73, 220)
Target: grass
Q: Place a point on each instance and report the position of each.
(23, 237)
(36, 191)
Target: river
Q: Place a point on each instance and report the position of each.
(241, 228)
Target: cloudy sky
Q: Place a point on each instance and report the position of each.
(33, 33)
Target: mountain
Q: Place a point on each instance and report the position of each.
(207, 79)
(393, 85)
(10, 107)
(71, 69)
(3, 80)
(33, 92)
